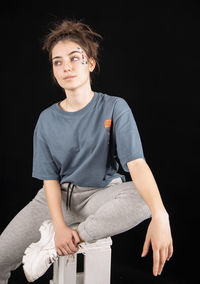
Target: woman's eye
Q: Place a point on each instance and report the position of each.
(57, 63)
(74, 58)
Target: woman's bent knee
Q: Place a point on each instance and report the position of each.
(135, 203)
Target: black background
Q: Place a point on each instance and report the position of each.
(150, 57)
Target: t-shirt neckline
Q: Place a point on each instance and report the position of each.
(78, 112)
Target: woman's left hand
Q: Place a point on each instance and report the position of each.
(159, 236)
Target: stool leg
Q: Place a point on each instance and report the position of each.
(97, 265)
(67, 269)
(55, 273)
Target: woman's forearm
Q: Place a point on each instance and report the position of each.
(159, 231)
(53, 195)
(146, 185)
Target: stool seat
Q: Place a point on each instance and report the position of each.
(97, 264)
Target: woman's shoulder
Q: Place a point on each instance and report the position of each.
(111, 98)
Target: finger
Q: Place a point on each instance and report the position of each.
(76, 239)
(170, 251)
(64, 251)
(162, 260)
(146, 247)
(156, 261)
(166, 253)
(67, 249)
(72, 247)
(59, 252)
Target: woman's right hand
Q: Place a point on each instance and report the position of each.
(66, 240)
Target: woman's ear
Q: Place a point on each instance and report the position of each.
(91, 64)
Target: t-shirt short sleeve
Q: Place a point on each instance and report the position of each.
(44, 167)
(126, 134)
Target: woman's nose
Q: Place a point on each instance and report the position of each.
(67, 67)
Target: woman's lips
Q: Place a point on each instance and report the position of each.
(69, 77)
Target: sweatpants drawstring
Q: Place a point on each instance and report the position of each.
(69, 196)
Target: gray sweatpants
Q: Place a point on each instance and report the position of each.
(100, 212)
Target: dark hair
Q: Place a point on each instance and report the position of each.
(75, 31)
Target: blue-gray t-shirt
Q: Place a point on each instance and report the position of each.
(81, 147)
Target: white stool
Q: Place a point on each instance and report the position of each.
(97, 265)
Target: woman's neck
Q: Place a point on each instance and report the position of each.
(77, 99)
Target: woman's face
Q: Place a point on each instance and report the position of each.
(71, 66)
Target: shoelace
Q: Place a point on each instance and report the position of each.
(69, 196)
(81, 247)
(53, 257)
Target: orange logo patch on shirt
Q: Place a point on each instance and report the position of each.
(107, 124)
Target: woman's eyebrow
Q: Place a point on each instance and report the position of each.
(72, 52)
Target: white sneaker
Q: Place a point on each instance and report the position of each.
(39, 256)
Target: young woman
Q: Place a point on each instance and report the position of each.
(76, 142)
